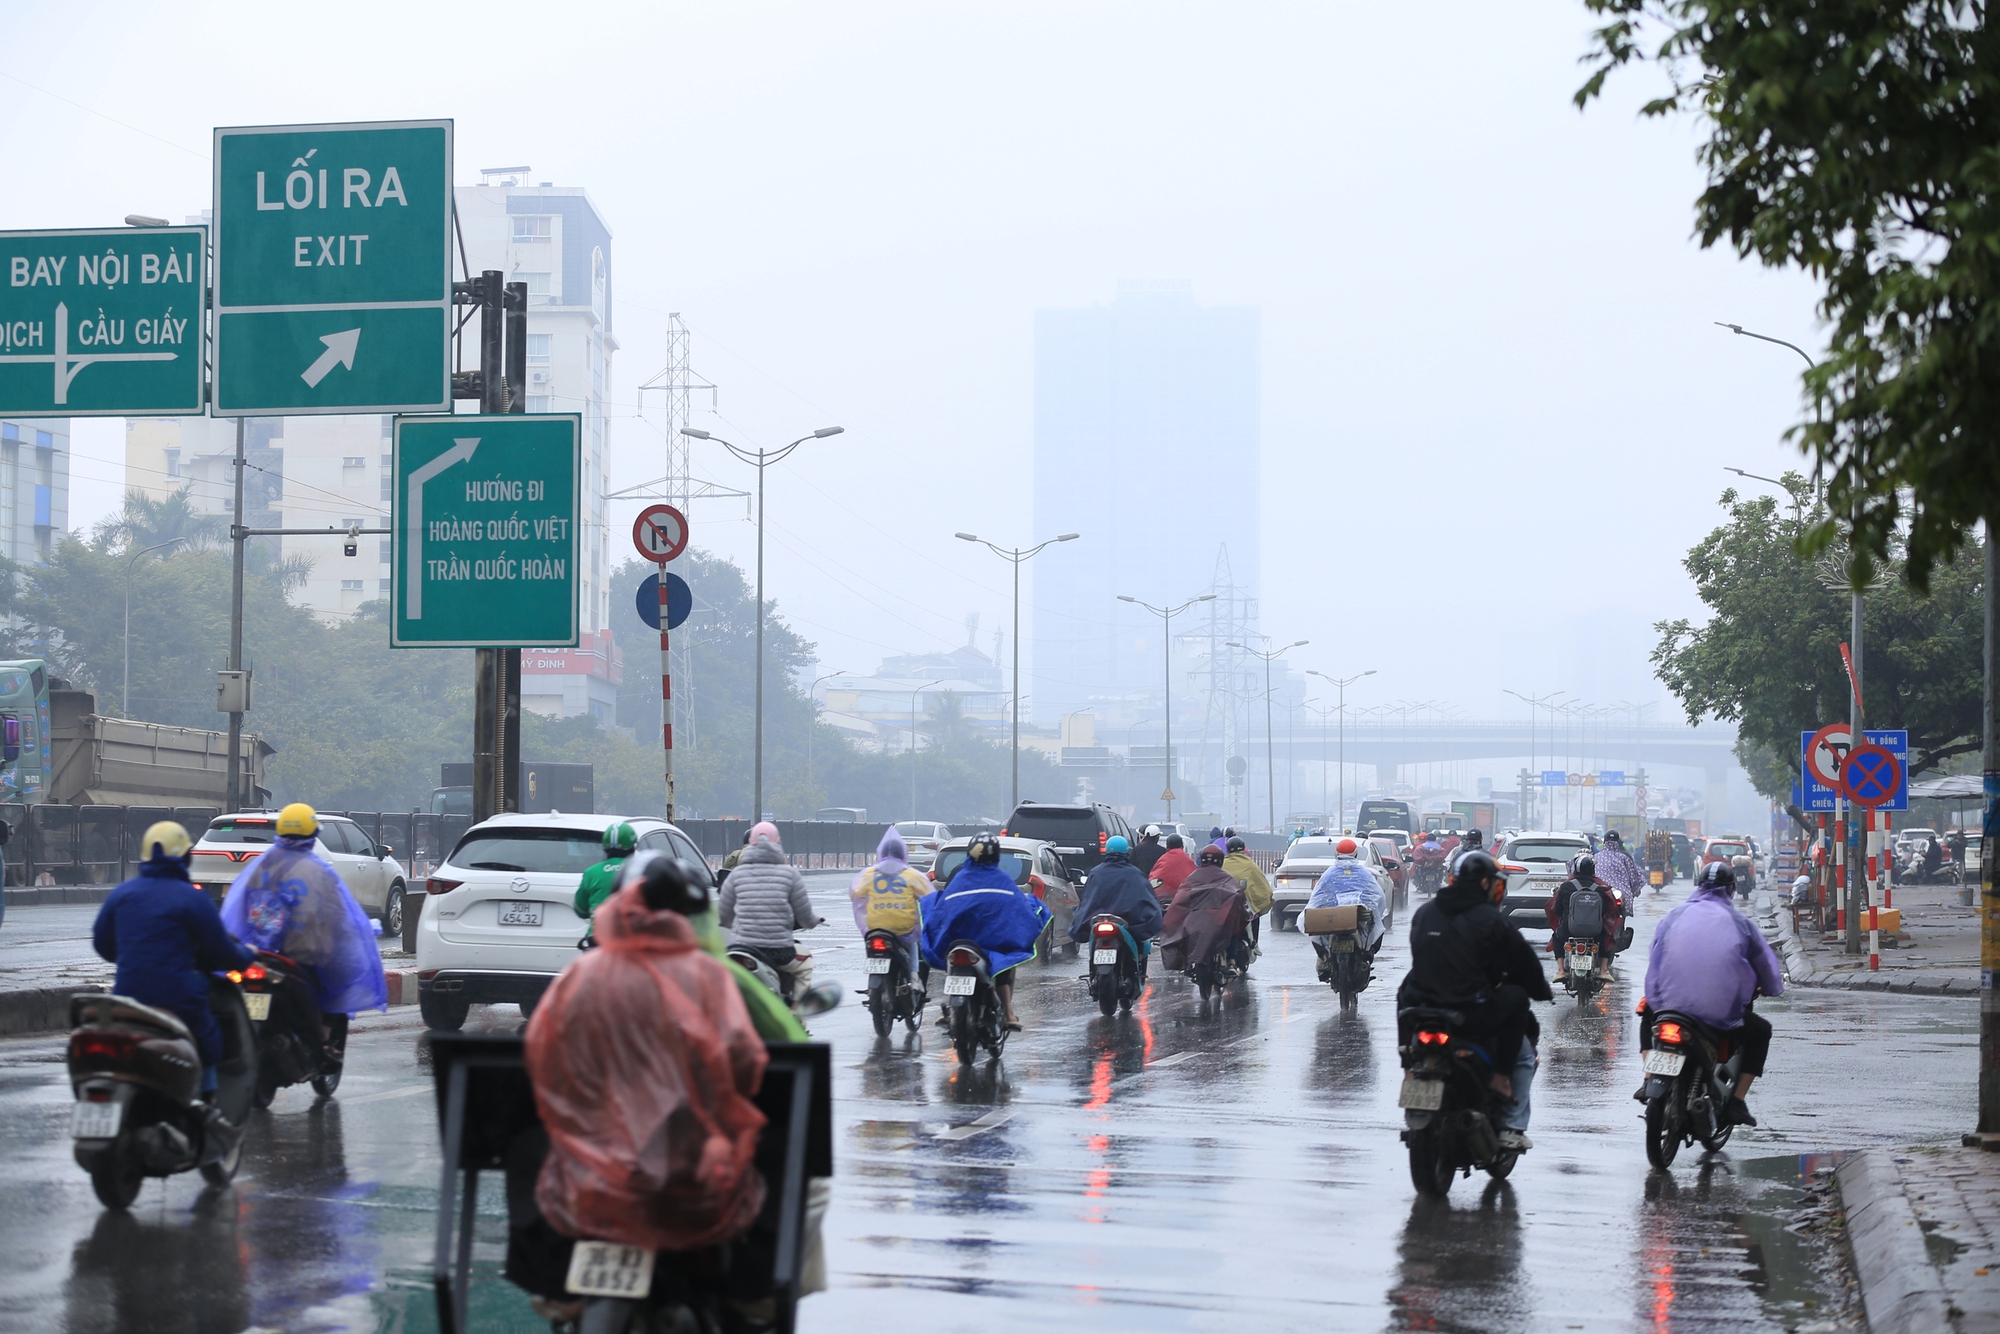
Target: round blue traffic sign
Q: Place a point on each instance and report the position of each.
(1871, 775)
(680, 601)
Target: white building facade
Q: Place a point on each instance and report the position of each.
(34, 487)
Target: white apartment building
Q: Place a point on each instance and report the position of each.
(34, 487)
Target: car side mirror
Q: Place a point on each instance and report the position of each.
(385, 852)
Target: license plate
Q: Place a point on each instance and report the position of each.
(1421, 1095)
(524, 914)
(876, 965)
(960, 984)
(1664, 1062)
(1342, 945)
(96, 1120)
(600, 1269)
(1104, 956)
(258, 1003)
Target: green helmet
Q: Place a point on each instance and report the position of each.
(619, 840)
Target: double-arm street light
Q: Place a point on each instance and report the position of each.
(1270, 764)
(1340, 815)
(1534, 703)
(1014, 556)
(760, 459)
(1166, 615)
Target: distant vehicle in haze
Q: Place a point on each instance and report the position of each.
(842, 814)
(1079, 833)
(923, 838)
(1384, 814)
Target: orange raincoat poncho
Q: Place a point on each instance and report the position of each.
(644, 1061)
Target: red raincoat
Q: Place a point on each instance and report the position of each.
(1173, 867)
(644, 1061)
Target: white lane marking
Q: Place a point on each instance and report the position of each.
(1175, 1059)
(984, 1123)
(409, 1091)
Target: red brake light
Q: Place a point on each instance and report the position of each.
(878, 946)
(438, 885)
(1669, 1033)
(1512, 866)
(89, 1045)
(1105, 928)
(255, 972)
(1433, 1039)
(963, 958)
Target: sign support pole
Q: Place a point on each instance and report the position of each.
(237, 537)
(489, 674)
(1874, 894)
(514, 301)
(1989, 863)
(666, 694)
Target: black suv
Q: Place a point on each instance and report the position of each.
(1079, 833)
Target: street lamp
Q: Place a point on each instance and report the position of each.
(812, 723)
(1533, 704)
(1015, 555)
(125, 692)
(1270, 764)
(913, 742)
(1166, 615)
(1324, 714)
(1798, 510)
(1340, 685)
(760, 460)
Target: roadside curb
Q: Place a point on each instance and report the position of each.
(38, 1009)
(1901, 1290)
(48, 896)
(1800, 970)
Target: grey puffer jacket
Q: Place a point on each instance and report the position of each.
(764, 899)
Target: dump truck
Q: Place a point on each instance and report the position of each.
(75, 756)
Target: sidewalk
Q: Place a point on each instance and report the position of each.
(1923, 1226)
(1936, 954)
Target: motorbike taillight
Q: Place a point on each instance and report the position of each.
(96, 1045)
(1669, 1033)
(1106, 929)
(878, 946)
(963, 959)
(1432, 1039)
(255, 972)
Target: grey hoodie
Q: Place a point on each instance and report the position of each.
(764, 899)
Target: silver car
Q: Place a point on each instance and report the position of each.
(923, 838)
(1535, 865)
(1305, 861)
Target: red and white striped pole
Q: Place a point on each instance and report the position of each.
(1840, 862)
(666, 694)
(1874, 933)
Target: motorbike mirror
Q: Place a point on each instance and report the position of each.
(819, 1000)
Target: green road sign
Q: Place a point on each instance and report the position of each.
(105, 322)
(486, 510)
(333, 268)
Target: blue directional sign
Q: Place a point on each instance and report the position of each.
(1554, 778)
(1819, 797)
(680, 601)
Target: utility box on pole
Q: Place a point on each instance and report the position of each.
(232, 691)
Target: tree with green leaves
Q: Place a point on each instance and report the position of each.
(1857, 141)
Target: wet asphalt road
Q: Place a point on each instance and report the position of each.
(1235, 1166)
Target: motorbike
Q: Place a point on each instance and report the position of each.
(973, 1013)
(892, 992)
(1212, 974)
(1430, 877)
(1447, 1103)
(293, 1044)
(1581, 979)
(1690, 1073)
(136, 1075)
(1345, 963)
(763, 965)
(1116, 976)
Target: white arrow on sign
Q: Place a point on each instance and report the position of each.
(339, 350)
(69, 366)
(460, 452)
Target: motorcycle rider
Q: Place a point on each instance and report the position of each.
(1473, 841)
(1933, 857)
(1115, 886)
(166, 938)
(1582, 872)
(1256, 889)
(1208, 909)
(1346, 882)
(1709, 962)
(982, 904)
(1149, 850)
(1173, 868)
(600, 881)
(764, 901)
(887, 896)
(291, 901)
(1429, 852)
(1617, 867)
(1465, 955)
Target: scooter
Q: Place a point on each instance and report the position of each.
(973, 1013)
(1116, 975)
(293, 1044)
(1217, 971)
(1345, 963)
(892, 992)
(1690, 1074)
(1447, 1104)
(136, 1076)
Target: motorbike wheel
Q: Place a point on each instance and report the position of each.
(1108, 1003)
(223, 1170)
(1350, 1000)
(117, 1177)
(1429, 1172)
(1663, 1131)
(1204, 979)
(882, 1011)
(325, 1082)
(267, 1086)
(1502, 1164)
(964, 1037)
(1585, 985)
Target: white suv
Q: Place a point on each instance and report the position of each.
(369, 870)
(499, 918)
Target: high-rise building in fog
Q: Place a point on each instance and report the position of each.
(1147, 443)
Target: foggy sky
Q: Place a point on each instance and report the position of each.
(1490, 379)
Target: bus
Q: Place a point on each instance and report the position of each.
(1375, 815)
(24, 696)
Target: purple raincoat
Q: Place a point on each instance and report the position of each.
(1708, 962)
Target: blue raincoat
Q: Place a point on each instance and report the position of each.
(290, 901)
(1348, 881)
(982, 904)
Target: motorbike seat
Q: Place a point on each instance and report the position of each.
(1418, 1014)
(95, 1008)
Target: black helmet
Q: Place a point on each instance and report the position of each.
(1175, 841)
(1718, 875)
(1236, 845)
(1474, 837)
(666, 882)
(984, 849)
(1475, 868)
(1211, 855)
(1586, 868)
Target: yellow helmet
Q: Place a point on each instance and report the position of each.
(298, 820)
(170, 838)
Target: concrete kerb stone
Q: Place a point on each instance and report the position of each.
(1901, 1289)
(37, 1009)
(1800, 970)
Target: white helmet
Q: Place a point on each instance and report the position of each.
(1152, 831)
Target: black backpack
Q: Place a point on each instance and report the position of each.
(1585, 917)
